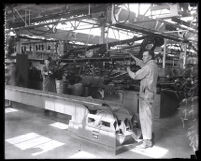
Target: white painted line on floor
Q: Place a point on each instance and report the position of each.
(32, 143)
(8, 110)
(59, 125)
(22, 138)
(48, 146)
(154, 152)
(33, 140)
(82, 155)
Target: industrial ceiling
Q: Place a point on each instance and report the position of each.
(43, 19)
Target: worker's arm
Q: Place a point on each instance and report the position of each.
(140, 74)
(138, 61)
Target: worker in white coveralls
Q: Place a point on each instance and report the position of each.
(148, 75)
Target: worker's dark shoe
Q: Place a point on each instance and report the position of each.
(149, 143)
(145, 144)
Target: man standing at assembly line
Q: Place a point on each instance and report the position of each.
(148, 75)
(49, 83)
(10, 75)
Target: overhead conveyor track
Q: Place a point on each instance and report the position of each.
(133, 27)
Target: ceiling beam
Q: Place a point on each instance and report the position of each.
(182, 22)
(50, 23)
(119, 42)
(67, 36)
(64, 14)
(133, 27)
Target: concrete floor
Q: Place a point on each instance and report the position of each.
(40, 140)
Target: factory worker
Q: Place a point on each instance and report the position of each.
(148, 75)
(49, 83)
(11, 74)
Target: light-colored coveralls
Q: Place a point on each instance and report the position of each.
(148, 74)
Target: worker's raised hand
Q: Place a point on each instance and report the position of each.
(132, 56)
(137, 61)
(128, 69)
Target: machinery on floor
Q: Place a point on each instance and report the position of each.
(105, 123)
(89, 69)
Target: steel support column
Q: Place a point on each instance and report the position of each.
(102, 37)
(18, 47)
(164, 53)
(184, 57)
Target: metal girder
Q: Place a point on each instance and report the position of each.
(38, 10)
(55, 22)
(63, 14)
(117, 58)
(9, 8)
(23, 95)
(67, 35)
(24, 17)
(160, 7)
(133, 27)
(182, 22)
(116, 42)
